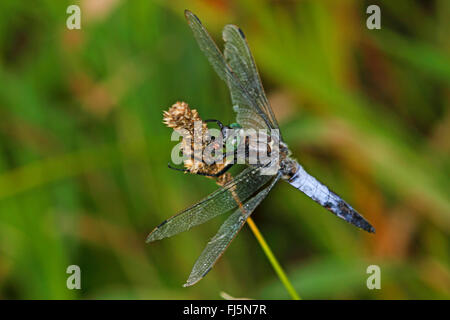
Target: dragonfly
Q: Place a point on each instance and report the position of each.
(236, 66)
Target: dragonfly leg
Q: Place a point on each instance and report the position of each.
(220, 124)
(178, 169)
(217, 174)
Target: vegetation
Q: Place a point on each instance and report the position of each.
(83, 151)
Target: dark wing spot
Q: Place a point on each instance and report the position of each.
(241, 32)
(161, 224)
(206, 272)
(186, 12)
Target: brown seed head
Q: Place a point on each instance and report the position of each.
(180, 117)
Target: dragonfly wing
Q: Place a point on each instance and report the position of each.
(241, 95)
(218, 244)
(239, 57)
(243, 185)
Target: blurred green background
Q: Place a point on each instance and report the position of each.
(83, 151)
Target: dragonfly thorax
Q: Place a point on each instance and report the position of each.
(288, 166)
(231, 136)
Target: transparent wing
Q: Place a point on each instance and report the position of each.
(243, 185)
(239, 58)
(218, 244)
(240, 94)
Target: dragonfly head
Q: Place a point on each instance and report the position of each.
(235, 125)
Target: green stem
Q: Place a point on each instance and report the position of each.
(273, 261)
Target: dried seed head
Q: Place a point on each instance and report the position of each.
(180, 116)
(194, 166)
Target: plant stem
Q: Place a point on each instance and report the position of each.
(273, 261)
